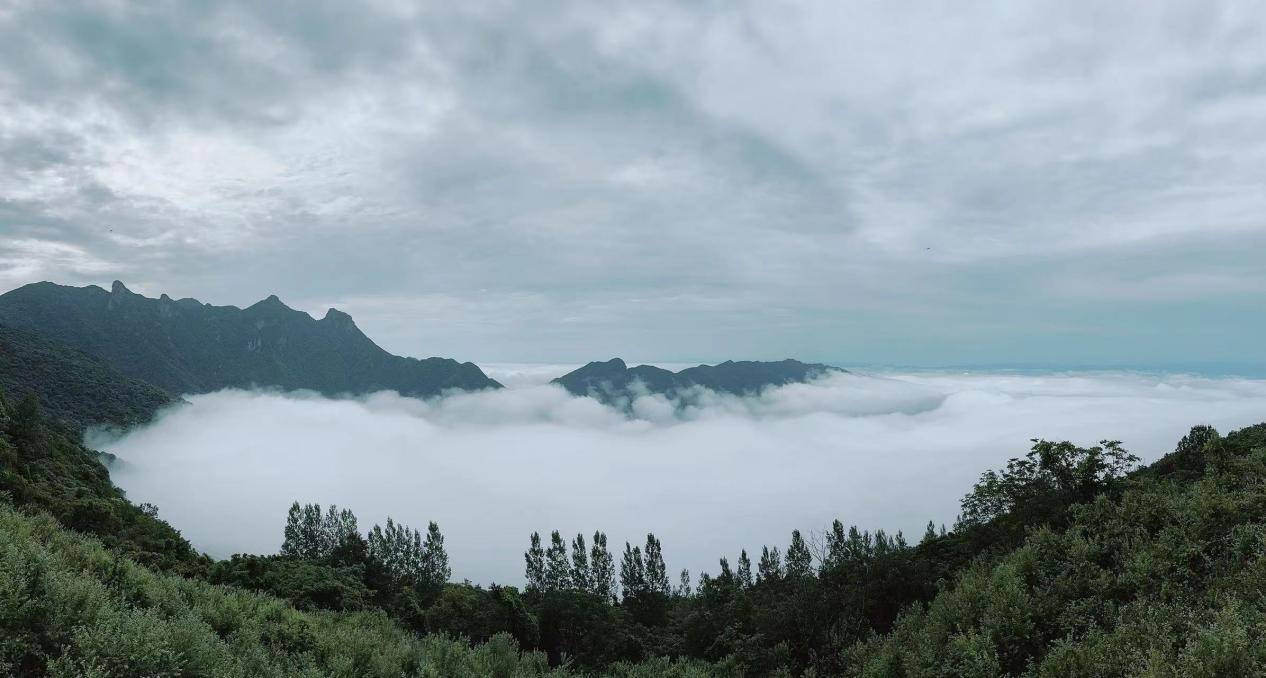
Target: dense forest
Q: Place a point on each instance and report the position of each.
(1068, 561)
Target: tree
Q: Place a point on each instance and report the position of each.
(799, 560)
(557, 567)
(770, 566)
(304, 537)
(1049, 478)
(535, 564)
(836, 552)
(336, 528)
(1189, 454)
(744, 570)
(399, 552)
(1196, 439)
(313, 535)
(684, 590)
(656, 572)
(602, 568)
(632, 572)
(726, 576)
(581, 574)
(858, 547)
(929, 534)
(435, 571)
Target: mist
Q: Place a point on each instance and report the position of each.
(721, 474)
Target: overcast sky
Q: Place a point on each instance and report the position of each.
(1059, 183)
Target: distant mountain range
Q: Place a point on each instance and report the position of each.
(115, 357)
(615, 383)
(184, 346)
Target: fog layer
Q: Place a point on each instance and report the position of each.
(880, 451)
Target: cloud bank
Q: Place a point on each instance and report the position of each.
(881, 451)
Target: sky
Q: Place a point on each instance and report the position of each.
(941, 183)
(884, 451)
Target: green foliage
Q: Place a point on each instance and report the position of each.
(535, 564)
(602, 568)
(1162, 579)
(557, 565)
(479, 615)
(43, 467)
(406, 562)
(73, 387)
(307, 584)
(69, 607)
(1050, 476)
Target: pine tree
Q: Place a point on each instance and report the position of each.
(632, 572)
(859, 547)
(770, 567)
(557, 567)
(535, 564)
(726, 576)
(292, 546)
(744, 570)
(684, 589)
(581, 574)
(305, 533)
(434, 567)
(929, 534)
(882, 544)
(398, 552)
(312, 529)
(836, 546)
(602, 566)
(799, 560)
(336, 528)
(656, 572)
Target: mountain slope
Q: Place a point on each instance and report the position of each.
(614, 382)
(1164, 580)
(71, 385)
(184, 346)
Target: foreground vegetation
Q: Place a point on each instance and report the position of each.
(1069, 561)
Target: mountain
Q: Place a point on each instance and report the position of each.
(185, 346)
(71, 385)
(613, 382)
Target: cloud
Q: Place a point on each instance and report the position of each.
(887, 451)
(841, 182)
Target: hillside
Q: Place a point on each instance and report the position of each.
(614, 382)
(71, 385)
(70, 607)
(1165, 579)
(184, 346)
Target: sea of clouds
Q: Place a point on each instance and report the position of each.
(889, 451)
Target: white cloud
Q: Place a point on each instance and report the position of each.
(881, 451)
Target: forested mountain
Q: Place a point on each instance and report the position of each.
(184, 346)
(614, 382)
(71, 385)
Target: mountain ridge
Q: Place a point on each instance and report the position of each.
(186, 346)
(613, 382)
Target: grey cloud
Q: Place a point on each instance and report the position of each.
(563, 181)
